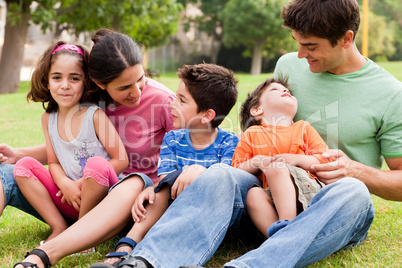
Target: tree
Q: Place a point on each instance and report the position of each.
(391, 11)
(258, 25)
(211, 22)
(149, 22)
(381, 38)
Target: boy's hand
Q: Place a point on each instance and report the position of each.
(185, 178)
(7, 154)
(138, 210)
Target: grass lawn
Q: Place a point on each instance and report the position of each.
(19, 232)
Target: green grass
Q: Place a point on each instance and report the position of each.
(19, 232)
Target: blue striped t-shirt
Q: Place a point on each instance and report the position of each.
(178, 152)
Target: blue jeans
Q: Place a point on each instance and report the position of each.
(12, 194)
(195, 224)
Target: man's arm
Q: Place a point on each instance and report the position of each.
(386, 184)
(11, 155)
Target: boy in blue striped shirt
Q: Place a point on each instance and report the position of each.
(205, 96)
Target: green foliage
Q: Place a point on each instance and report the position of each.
(385, 40)
(381, 37)
(16, 9)
(149, 22)
(259, 20)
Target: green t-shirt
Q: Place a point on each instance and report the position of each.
(359, 113)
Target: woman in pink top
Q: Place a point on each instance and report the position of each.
(139, 108)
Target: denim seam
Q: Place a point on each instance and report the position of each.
(208, 252)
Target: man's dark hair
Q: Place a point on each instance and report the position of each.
(328, 19)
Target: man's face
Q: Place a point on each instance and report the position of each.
(320, 54)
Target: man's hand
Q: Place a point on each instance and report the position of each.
(138, 210)
(339, 168)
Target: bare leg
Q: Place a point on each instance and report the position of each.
(103, 222)
(283, 191)
(32, 189)
(92, 193)
(140, 229)
(260, 209)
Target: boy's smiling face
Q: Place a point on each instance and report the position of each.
(184, 109)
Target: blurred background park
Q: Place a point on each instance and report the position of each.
(243, 35)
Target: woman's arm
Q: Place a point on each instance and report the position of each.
(11, 155)
(110, 139)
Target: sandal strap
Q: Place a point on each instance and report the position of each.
(27, 264)
(42, 255)
(125, 241)
(119, 254)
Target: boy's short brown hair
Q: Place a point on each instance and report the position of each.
(253, 100)
(212, 87)
(328, 19)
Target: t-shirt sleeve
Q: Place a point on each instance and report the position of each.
(167, 156)
(316, 145)
(390, 134)
(243, 151)
(229, 145)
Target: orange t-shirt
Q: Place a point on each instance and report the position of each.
(299, 138)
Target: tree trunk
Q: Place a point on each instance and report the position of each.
(216, 47)
(12, 53)
(257, 57)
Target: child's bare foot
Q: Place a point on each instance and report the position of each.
(124, 248)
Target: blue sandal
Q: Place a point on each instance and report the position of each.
(41, 254)
(125, 241)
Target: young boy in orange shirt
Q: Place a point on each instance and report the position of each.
(280, 152)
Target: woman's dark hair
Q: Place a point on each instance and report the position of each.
(40, 77)
(253, 100)
(111, 54)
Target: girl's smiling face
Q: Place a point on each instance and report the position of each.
(66, 80)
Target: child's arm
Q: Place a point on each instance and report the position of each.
(111, 140)
(255, 164)
(70, 190)
(298, 160)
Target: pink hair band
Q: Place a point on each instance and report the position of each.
(69, 47)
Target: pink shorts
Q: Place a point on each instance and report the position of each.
(97, 168)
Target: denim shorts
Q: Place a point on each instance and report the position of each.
(147, 181)
(12, 194)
